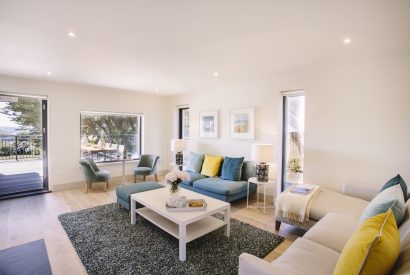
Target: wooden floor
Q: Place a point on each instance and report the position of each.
(31, 218)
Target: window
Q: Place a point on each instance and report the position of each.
(293, 138)
(107, 137)
(183, 127)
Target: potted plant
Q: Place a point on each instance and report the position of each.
(174, 178)
(295, 170)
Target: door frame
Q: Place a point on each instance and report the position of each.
(44, 117)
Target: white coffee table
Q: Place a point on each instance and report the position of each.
(185, 226)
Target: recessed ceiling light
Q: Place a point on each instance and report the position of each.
(48, 73)
(216, 74)
(157, 90)
(347, 40)
(71, 34)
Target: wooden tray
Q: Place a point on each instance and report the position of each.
(187, 208)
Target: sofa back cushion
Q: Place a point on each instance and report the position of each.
(391, 197)
(211, 165)
(195, 162)
(232, 168)
(373, 249)
(248, 170)
(397, 180)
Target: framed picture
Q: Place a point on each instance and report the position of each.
(243, 123)
(208, 124)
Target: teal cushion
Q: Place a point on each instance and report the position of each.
(396, 180)
(391, 197)
(195, 162)
(102, 175)
(248, 170)
(193, 176)
(143, 171)
(124, 191)
(232, 168)
(220, 186)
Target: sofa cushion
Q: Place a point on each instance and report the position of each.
(328, 201)
(333, 231)
(397, 180)
(232, 168)
(306, 257)
(388, 198)
(211, 165)
(220, 186)
(402, 266)
(248, 170)
(373, 249)
(195, 162)
(192, 177)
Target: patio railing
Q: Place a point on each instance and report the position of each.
(21, 147)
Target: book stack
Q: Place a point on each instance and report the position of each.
(302, 189)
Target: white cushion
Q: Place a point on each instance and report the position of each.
(328, 201)
(333, 231)
(306, 257)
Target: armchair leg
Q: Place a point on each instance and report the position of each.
(144, 177)
(86, 187)
(277, 225)
(156, 179)
(106, 186)
(135, 178)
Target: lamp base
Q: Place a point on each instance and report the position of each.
(262, 172)
(179, 158)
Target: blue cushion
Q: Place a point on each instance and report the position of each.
(220, 186)
(124, 191)
(142, 171)
(232, 168)
(396, 180)
(248, 170)
(388, 198)
(103, 175)
(195, 162)
(193, 176)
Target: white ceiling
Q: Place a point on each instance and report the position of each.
(176, 45)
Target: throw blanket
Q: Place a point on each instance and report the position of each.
(295, 207)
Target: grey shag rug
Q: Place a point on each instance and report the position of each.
(107, 243)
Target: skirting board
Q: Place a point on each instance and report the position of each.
(113, 180)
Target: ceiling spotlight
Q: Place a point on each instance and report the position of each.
(71, 34)
(216, 74)
(347, 40)
(157, 90)
(48, 73)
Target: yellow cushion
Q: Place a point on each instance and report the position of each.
(372, 249)
(211, 165)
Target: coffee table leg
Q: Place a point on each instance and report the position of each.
(133, 213)
(182, 242)
(227, 220)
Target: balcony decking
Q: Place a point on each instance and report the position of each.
(19, 176)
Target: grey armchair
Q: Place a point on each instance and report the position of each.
(147, 166)
(93, 174)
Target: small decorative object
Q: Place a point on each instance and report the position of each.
(208, 124)
(243, 123)
(175, 178)
(124, 153)
(262, 153)
(295, 170)
(178, 146)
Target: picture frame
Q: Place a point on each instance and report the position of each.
(208, 124)
(243, 123)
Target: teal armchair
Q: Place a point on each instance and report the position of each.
(147, 166)
(93, 174)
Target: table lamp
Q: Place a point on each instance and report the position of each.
(262, 153)
(178, 146)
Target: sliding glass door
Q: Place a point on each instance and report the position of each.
(293, 138)
(23, 145)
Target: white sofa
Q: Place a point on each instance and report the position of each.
(318, 251)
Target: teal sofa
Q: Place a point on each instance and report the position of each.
(218, 188)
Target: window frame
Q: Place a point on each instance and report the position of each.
(181, 121)
(140, 117)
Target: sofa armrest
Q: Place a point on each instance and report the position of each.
(249, 264)
(361, 191)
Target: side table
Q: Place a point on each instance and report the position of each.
(258, 183)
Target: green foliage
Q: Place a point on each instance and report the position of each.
(26, 112)
(294, 165)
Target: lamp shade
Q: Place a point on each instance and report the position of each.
(263, 152)
(178, 145)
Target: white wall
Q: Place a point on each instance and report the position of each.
(65, 103)
(357, 118)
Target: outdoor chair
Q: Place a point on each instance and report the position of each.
(93, 174)
(147, 166)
